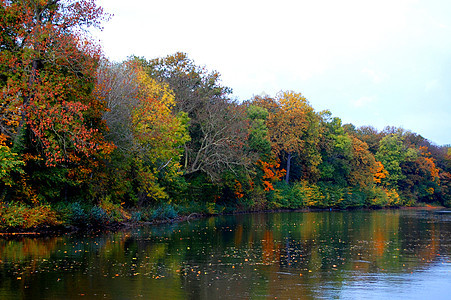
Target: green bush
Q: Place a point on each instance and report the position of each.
(136, 216)
(354, 198)
(285, 196)
(98, 216)
(334, 196)
(78, 215)
(381, 197)
(165, 212)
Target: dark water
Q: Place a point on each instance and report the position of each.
(316, 255)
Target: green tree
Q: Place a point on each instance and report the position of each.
(10, 162)
(391, 154)
(258, 131)
(336, 152)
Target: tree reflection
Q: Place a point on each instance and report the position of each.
(285, 255)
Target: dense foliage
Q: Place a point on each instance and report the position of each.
(76, 128)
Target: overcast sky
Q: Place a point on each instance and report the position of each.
(379, 63)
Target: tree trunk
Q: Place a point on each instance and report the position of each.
(287, 176)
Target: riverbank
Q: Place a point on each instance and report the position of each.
(47, 230)
(114, 226)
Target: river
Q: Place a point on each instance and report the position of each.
(395, 254)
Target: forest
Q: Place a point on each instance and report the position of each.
(87, 141)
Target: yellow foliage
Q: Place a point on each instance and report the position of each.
(393, 197)
(113, 209)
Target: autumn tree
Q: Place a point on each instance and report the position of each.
(445, 177)
(50, 117)
(217, 126)
(293, 129)
(371, 136)
(148, 136)
(421, 180)
(363, 165)
(267, 167)
(347, 160)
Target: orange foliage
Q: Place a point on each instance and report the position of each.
(271, 173)
(238, 189)
(428, 162)
(380, 173)
(50, 66)
(363, 165)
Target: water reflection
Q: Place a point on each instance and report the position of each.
(357, 254)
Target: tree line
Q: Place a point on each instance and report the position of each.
(77, 128)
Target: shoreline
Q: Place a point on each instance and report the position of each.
(48, 231)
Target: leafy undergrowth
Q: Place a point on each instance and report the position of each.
(17, 215)
(20, 218)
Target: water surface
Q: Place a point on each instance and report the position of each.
(396, 254)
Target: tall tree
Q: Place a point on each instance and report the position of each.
(336, 150)
(363, 166)
(258, 131)
(47, 65)
(217, 126)
(293, 129)
(371, 136)
(391, 154)
(420, 179)
(148, 136)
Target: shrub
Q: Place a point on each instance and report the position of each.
(12, 215)
(115, 212)
(354, 198)
(136, 216)
(381, 197)
(78, 215)
(256, 200)
(165, 212)
(213, 208)
(305, 194)
(42, 215)
(15, 215)
(98, 216)
(334, 196)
